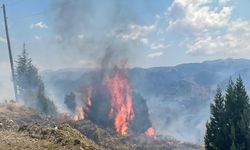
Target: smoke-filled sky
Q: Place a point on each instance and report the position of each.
(75, 33)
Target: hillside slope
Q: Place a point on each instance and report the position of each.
(23, 128)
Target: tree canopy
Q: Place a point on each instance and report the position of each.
(229, 123)
(31, 89)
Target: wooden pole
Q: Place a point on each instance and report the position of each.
(10, 53)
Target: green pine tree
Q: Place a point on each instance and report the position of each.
(233, 147)
(232, 138)
(214, 134)
(229, 113)
(31, 89)
(209, 138)
(230, 128)
(241, 115)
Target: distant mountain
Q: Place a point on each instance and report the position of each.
(178, 97)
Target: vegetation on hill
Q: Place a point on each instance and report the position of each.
(31, 89)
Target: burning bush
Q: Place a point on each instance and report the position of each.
(112, 104)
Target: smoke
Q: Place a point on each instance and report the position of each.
(6, 86)
(85, 31)
(171, 118)
(89, 29)
(6, 89)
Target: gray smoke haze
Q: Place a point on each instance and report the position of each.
(6, 88)
(87, 28)
(172, 119)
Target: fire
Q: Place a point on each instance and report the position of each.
(121, 101)
(88, 102)
(150, 133)
(169, 142)
(79, 111)
(79, 114)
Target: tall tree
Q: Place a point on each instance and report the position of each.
(230, 128)
(229, 113)
(215, 128)
(31, 89)
(240, 113)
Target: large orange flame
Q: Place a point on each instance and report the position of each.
(121, 101)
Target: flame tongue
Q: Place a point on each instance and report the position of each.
(150, 133)
(88, 102)
(121, 101)
(79, 114)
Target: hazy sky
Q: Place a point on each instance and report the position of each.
(61, 34)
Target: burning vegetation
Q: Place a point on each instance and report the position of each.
(121, 110)
(115, 105)
(150, 133)
(109, 101)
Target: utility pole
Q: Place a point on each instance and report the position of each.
(10, 53)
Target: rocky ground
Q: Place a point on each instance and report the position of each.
(22, 128)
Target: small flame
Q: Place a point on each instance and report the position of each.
(121, 101)
(169, 142)
(88, 102)
(79, 115)
(150, 133)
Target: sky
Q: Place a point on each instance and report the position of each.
(75, 33)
